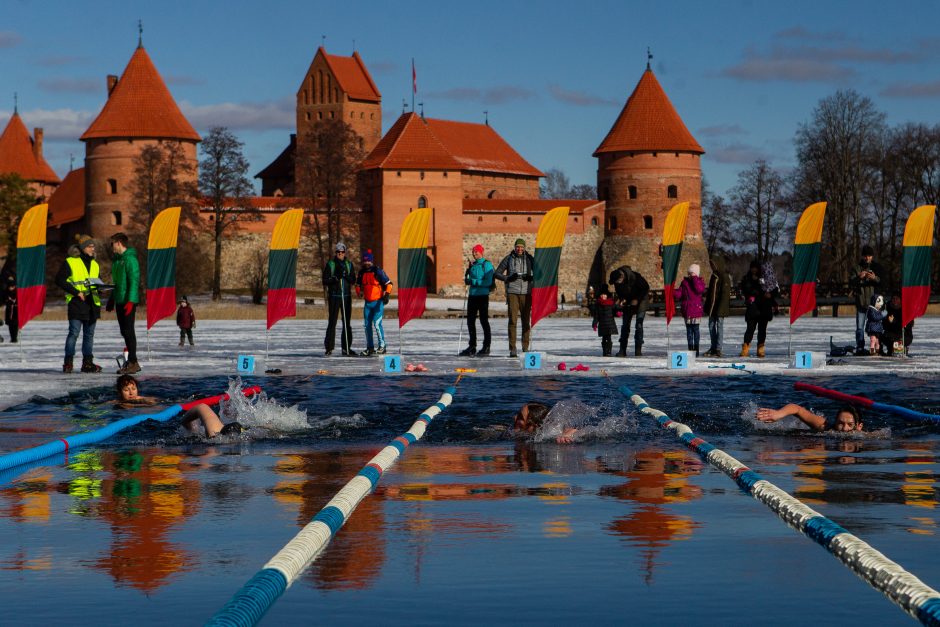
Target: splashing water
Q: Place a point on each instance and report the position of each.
(575, 414)
(259, 411)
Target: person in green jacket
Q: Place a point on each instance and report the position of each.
(717, 304)
(125, 273)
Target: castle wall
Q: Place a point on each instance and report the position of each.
(486, 185)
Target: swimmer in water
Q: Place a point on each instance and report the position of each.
(847, 418)
(128, 396)
(531, 416)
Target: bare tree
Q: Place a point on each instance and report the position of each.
(583, 192)
(758, 207)
(328, 160)
(224, 183)
(555, 185)
(256, 269)
(15, 199)
(716, 221)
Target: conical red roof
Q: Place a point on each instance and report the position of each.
(649, 122)
(16, 154)
(141, 106)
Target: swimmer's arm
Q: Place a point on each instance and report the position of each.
(140, 401)
(814, 421)
(567, 436)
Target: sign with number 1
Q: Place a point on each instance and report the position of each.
(532, 361)
(803, 359)
(246, 364)
(392, 363)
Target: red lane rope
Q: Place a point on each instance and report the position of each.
(213, 400)
(833, 394)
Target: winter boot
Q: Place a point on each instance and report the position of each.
(89, 365)
(483, 352)
(760, 351)
(745, 350)
(638, 350)
(623, 351)
(130, 367)
(381, 351)
(67, 365)
(607, 346)
(470, 351)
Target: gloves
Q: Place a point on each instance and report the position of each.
(513, 277)
(110, 305)
(385, 298)
(527, 277)
(128, 309)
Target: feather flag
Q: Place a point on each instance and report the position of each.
(673, 235)
(161, 265)
(915, 281)
(412, 265)
(548, 243)
(282, 266)
(31, 263)
(806, 247)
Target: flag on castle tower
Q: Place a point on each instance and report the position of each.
(412, 265)
(282, 266)
(414, 78)
(806, 247)
(915, 281)
(31, 263)
(548, 244)
(673, 235)
(161, 265)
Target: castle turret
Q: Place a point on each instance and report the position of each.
(647, 163)
(21, 154)
(139, 112)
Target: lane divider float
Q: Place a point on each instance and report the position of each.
(250, 603)
(867, 403)
(910, 593)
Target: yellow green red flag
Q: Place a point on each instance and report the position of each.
(547, 258)
(161, 265)
(673, 236)
(412, 265)
(806, 247)
(31, 263)
(915, 279)
(282, 266)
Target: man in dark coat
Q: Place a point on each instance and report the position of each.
(338, 278)
(865, 281)
(8, 298)
(633, 295)
(717, 304)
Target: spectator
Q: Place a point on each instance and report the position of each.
(479, 278)
(717, 304)
(897, 340)
(125, 273)
(186, 321)
(605, 322)
(77, 277)
(689, 294)
(866, 277)
(874, 327)
(338, 276)
(374, 286)
(759, 294)
(516, 270)
(632, 292)
(8, 298)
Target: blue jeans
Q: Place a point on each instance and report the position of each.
(87, 329)
(861, 317)
(692, 335)
(372, 314)
(716, 332)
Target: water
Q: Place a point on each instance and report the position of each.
(157, 526)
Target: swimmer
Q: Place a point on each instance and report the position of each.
(531, 416)
(128, 396)
(847, 418)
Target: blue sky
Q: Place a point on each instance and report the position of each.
(552, 75)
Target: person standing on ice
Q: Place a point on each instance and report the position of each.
(84, 304)
(374, 286)
(717, 304)
(125, 273)
(516, 271)
(759, 291)
(633, 295)
(338, 276)
(689, 295)
(479, 279)
(866, 278)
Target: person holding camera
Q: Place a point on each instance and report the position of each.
(865, 281)
(516, 270)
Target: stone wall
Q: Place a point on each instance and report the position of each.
(642, 254)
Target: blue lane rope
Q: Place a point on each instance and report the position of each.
(907, 591)
(248, 605)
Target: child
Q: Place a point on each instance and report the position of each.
(875, 325)
(186, 321)
(690, 294)
(847, 418)
(128, 397)
(604, 322)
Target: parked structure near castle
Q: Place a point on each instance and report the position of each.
(480, 189)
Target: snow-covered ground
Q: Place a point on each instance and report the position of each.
(34, 365)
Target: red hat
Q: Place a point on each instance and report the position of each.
(478, 248)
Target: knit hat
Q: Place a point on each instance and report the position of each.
(84, 241)
(868, 251)
(367, 256)
(478, 248)
(695, 269)
(520, 242)
(340, 247)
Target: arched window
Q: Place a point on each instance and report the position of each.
(672, 191)
(112, 186)
(422, 202)
(505, 219)
(594, 221)
(491, 194)
(612, 223)
(648, 222)
(632, 192)
(116, 218)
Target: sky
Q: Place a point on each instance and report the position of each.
(552, 76)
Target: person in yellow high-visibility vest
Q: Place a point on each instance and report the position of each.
(84, 305)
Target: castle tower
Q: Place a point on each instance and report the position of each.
(139, 112)
(647, 163)
(22, 154)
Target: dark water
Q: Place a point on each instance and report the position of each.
(157, 526)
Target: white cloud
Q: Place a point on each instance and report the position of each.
(66, 124)
(269, 115)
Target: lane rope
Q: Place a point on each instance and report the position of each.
(61, 445)
(249, 604)
(907, 591)
(867, 403)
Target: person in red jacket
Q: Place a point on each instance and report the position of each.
(186, 321)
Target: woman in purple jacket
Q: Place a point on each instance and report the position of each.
(690, 294)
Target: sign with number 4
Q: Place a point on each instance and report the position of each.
(392, 363)
(532, 361)
(246, 364)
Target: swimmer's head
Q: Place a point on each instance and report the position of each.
(233, 427)
(126, 387)
(529, 417)
(847, 419)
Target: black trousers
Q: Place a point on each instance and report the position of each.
(126, 323)
(761, 331)
(478, 306)
(12, 319)
(337, 304)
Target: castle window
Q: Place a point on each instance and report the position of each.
(332, 114)
(398, 174)
(319, 115)
(672, 191)
(505, 219)
(677, 154)
(362, 144)
(306, 97)
(371, 116)
(308, 116)
(648, 223)
(612, 223)
(422, 202)
(112, 186)
(320, 82)
(361, 115)
(422, 176)
(575, 220)
(445, 174)
(116, 218)
(655, 154)
(336, 92)
(632, 192)
(492, 194)
(594, 221)
(529, 219)
(480, 219)
(352, 115)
